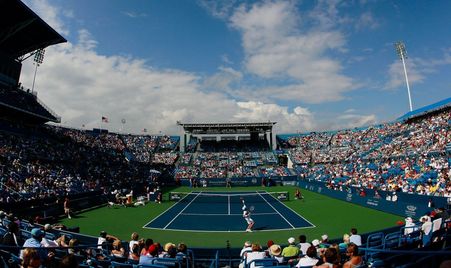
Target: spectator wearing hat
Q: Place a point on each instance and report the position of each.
(35, 242)
(291, 250)
(169, 251)
(275, 252)
(355, 238)
(409, 227)
(147, 259)
(324, 240)
(147, 244)
(309, 259)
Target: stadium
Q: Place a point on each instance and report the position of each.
(234, 194)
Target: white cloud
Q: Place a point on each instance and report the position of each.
(366, 21)
(81, 85)
(300, 119)
(50, 14)
(218, 8)
(415, 72)
(133, 14)
(350, 120)
(277, 47)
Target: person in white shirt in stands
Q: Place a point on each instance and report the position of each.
(355, 238)
(246, 248)
(309, 259)
(410, 226)
(426, 230)
(303, 244)
(255, 254)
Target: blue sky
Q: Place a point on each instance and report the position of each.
(309, 65)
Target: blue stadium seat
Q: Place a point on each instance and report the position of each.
(169, 262)
(374, 241)
(392, 240)
(263, 263)
(151, 266)
(120, 265)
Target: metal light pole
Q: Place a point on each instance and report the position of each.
(38, 59)
(402, 54)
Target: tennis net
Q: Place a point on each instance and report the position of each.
(236, 197)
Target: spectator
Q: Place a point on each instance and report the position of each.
(35, 242)
(354, 259)
(303, 244)
(255, 254)
(309, 259)
(12, 238)
(345, 243)
(31, 258)
(147, 245)
(426, 230)
(275, 252)
(69, 261)
(133, 241)
(329, 259)
(355, 238)
(118, 250)
(291, 251)
(151, 254)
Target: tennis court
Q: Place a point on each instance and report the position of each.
(216, 212)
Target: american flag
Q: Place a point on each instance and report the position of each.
(104, 119)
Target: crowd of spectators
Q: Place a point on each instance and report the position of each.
(229, 164)
(322, 252)
(412, 157)
(46, 246)
(54, 162)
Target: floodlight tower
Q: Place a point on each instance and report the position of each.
(38, 59)
(401, 51)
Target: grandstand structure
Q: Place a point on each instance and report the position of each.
(402, 168)
(21, 36)
(228, 131)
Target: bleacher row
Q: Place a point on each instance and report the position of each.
(404, 246)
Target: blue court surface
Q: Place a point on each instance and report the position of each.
(222, 212)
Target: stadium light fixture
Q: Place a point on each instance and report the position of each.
(402, 54)
(38, 59)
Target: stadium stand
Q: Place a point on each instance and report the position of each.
(42, 164)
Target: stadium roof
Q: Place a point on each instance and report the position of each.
(427, 109)
(22, 31)
(226, 128)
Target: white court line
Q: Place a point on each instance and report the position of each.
(182, 210)
(217, 214)
(226, 231)
(165, 211)
(229, 203)
(276, 211)
(313, 225)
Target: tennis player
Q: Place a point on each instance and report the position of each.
(249, 220)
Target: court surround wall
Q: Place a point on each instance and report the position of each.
(407, 205)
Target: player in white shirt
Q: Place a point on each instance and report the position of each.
(247, 217)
